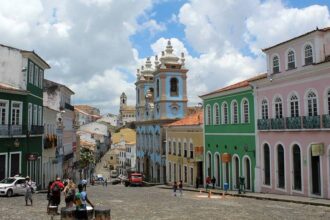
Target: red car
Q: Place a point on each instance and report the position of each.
(134, 179)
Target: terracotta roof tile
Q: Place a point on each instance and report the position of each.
(193, 119)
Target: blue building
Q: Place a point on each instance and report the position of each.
(161, 98)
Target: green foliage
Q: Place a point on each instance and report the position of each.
(86, 157)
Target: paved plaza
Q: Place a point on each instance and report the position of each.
(157, 203)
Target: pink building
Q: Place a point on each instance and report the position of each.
(293, 108)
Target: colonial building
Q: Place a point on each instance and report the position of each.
(161, 98)
(126, 112)
(21, 107)
(184, 150)
(85, 114)
(230, 135)
(292, 109)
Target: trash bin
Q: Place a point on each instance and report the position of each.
(226, 186)
(241, 185)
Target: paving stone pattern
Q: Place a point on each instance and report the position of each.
(155, 203)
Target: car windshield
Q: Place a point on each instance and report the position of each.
(136, 176)
(7, 181)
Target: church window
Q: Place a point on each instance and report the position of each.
(174, 87)
(157, 88)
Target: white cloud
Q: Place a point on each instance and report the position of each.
(153, 26)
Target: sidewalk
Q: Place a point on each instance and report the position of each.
(262, 196)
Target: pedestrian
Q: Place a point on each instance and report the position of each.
(175, 187)
(56, 189)
(180, 187)
(49, 195)
(84, 184)
(213, 180)
(81, 201)
(197, 182)
(28, 190)
(208, 181)
(69, 193)
(106, 182)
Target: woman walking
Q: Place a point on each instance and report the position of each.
(69, 193)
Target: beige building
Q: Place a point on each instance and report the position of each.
(184, 150)
(126, 112)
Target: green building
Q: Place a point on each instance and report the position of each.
(21, 107)
(229, 135)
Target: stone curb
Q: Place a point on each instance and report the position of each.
(256, 197)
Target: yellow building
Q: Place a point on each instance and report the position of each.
(184, 150)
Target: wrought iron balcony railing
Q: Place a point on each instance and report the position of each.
(326, 121)
(37, 129)
(9, 130)
(263, 124)
(311, 122)
(277, 123)
(293, 122)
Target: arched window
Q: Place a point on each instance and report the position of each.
(224, 115)
(294, 106)
(185, 150)
(291, 60)
(276, 64)
(264, 109)
(174, 87)
(234, 114)
(157, 88)
(179, 148)
(312, 104)
(245, 114)
(208, 115)
(174, 148)
(308, 55)
(278, 108)
(191, 148)
(216, 116)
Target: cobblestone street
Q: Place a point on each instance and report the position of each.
(156, 203)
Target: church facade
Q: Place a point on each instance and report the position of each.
(161, 98)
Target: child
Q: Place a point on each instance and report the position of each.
(81, 201)
(175, 187)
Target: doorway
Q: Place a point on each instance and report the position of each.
(296, 167)
(200, 173)
(236, 173)
(247, 173)
(316, 174)
(217, 169)
(280, 167)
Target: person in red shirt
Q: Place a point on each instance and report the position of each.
(55, 190)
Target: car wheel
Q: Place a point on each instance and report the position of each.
(10, 193)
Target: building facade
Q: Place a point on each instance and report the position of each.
(293, 108)
(161, 98)
(229, 129)
(184, 150)
(126, 112)
(21, 107)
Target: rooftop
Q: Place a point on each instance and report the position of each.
(194, 119)
(127, 134)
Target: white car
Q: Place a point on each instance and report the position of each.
(14, 186)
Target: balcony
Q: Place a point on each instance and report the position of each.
(37, 129)
(277, 123)
(293, 122)
(263, 124)
(10, 130)
(326, 121)
(311, 122)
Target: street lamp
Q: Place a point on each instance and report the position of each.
(246, 148)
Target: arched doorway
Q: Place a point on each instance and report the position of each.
(315, 168)
(296, 154)
(217, 169)
(280, 167)
(209, 160)
(247, 173)
(235, 172)
(266, 165)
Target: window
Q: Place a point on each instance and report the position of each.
(276, 64)
(278, 108)
(36, 73)
(30, 115)
(245, 107)
(35, 115)
(3, 112)
(264, 109)
(191, 176)
(185, 177)
(308, 55)
(16, 113)
(291, 60)
(185, 150)
(294, 106)
(216, 116)
(157, 88)
(191, 150)
(174, 87)
(138, 96)
(234, 116)
(169, 171)
(40, 115)
(31, 72)
(224, 115)
(328, 102)
(174, 148)
(179, 148)
(208, 115)
(312, 104)
(41, 78)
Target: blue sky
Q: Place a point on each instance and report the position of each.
(95, 46)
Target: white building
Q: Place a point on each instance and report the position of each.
(110, 119)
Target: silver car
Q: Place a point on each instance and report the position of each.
(14, 186)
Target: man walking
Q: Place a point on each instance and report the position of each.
(28, 192)
(56, 189)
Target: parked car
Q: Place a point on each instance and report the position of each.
(113, 173)
(14, 186)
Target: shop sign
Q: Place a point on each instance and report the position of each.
(317, 149)
(32, 156)
(199, 153)
(226, 158)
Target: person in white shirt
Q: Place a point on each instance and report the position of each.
(28, 192)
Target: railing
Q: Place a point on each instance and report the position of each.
(263, 124)
(37, 129)
(277, 123)
(293, 122)
(9, 130)
(326, 121)
(311, 122)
